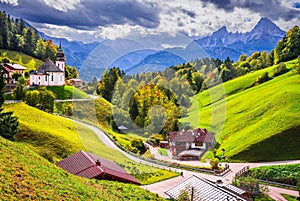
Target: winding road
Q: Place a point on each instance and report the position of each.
(161, 187)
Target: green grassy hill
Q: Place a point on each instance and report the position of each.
(51, 135)
(27, 176)
(253, 123)
(67, 92)
(20, 58)
(98, 112)
(46, 132)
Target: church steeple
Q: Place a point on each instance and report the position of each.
(60, 58)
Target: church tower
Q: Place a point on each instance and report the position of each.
(60, 59)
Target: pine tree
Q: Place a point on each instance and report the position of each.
(8, 123)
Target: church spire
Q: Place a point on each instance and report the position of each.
(60, 45)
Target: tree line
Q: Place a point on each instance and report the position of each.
(134, 96)
(16, 36)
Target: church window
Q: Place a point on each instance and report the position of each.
(52, 77)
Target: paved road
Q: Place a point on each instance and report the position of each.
(161, 187)
(109, 143)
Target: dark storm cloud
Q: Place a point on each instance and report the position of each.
(272, 9)
(87, 14)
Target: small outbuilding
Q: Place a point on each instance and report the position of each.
(90, 166)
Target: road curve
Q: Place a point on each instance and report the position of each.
(161, 187)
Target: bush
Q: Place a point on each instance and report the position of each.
(41, 99)
(139, 145)
(263, 78)
(47, 154)
(156, 138)
(214, 162)
(280, 69)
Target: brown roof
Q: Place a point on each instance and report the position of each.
(184, 137)
(198, 135)
(84, 164)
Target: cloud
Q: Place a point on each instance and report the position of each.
(86, 14)
(274, 9)
(10, 2)
(100, 19)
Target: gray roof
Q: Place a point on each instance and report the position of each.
(48, 66)
(204, 190)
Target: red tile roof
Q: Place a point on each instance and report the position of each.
(84, 164)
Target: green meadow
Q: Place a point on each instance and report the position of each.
(25, 175)
(20, 58)
(67, 92)
(252, 122)
(57, 137)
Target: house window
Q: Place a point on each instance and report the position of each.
(46, 78)
(52, 77)
(199, 144)
(39, 77)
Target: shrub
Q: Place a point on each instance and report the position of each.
(280, 69)
(47, 154)
(263, 78)
(214, 162)
(41, 99)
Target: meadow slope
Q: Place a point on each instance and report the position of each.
(253, 122)
(25, 175)
(55, 137)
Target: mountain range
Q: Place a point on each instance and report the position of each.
(264, 36)
(135, 57)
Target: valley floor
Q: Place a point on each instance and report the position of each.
(161, 187)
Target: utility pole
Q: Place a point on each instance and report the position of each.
(192, 196)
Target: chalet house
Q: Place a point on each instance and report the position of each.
(191, 144)
(10, 69)
(76, 82)
(50, 74)
(94, 167)
(203, 189)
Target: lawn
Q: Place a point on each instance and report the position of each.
(25, 175)
(285, 174)
(163, 152)
(289, 197)
(252, 123)
(67, 92)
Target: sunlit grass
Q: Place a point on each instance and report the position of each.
(255, 117)
(25, 175)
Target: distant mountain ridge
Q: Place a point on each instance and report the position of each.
(264, 36)
(133, 57)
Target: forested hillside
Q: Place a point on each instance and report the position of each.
(14, 35)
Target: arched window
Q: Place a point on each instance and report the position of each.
(52, 77)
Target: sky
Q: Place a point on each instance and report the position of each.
(96, 20)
